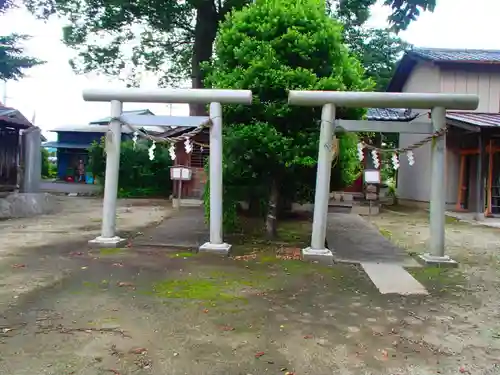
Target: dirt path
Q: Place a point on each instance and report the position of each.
(144, 311)
(78, 220)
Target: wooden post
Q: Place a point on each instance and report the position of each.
(490, 177)
(461, 184)
(479, 180)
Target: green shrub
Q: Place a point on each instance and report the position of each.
(138, 176)
(45, 163)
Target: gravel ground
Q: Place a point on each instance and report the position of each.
(151, 311)
(77, 221)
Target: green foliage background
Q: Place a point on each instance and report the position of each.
(271, 47)
(49, 170)
(139, 176)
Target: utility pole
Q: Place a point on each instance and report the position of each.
(4, 98)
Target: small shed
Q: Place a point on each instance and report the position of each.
(195, 160)
(12, 124)
(73, 142)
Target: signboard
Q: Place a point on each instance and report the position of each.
(371, 176)
(180, 173)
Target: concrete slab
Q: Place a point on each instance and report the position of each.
(18, 205)
(105, 242)
(185, 229)
(60, 187)
(324, 256)
(221, 249)
(391, 278)
(353, 239)
(436, 261)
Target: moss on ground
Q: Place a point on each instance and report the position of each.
(451, 220)
(261, 271)
(252, 237)
(182, 254)
(386, 233)
(441, 281)
(199, 289)
(110, 251)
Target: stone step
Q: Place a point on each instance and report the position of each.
(393, 279)
(342, 209)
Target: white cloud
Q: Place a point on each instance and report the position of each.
(454, 24)
(54, 91)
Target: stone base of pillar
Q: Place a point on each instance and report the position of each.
(436, 261)
(317, 255)
(479, 216)
(221, 248)
(105, 242)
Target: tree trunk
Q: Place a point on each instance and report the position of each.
(205, 30)
(271, 222)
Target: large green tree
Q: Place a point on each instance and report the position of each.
(270, 48)
(5, 4)
(13, 62)
(172, 37)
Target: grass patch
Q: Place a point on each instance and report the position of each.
(110, 251)
(183, 254)
(290, 267)
(295, 232)
(252, 237)
(451, 220)
(440, 280)
(217, 286)
(386, 233)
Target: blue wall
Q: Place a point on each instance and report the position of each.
(79, 138)
(68, 157)
(65, 160)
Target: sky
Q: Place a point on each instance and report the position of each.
(54, 93)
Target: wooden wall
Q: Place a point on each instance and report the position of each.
(9, 154)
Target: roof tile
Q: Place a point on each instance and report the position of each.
(457, 55)
(489, 120)
(390, 114)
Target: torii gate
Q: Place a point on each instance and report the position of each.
(215, 98)
(438, 103)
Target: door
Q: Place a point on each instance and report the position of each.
(495, 184)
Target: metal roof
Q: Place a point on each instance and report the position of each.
(102, 129)
(65, 145)
(457, 55)
(486, 120)
(81, 129)
(106, 120)
(13, 117)
(391, 114)
(4, 111)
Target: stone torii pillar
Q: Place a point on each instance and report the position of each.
(438, 103)
(117, 97)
